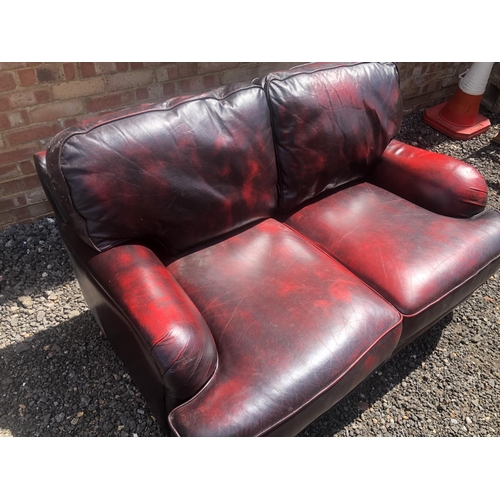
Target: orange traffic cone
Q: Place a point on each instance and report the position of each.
(459, 118)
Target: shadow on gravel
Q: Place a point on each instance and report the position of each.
(67, 381)
(383, 380)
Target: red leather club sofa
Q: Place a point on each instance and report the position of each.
(253, 253)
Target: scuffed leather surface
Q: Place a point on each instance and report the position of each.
(165, 323)
(181, 172)
(411, 256)
(434, 181)
(331, 123)
(289, 323)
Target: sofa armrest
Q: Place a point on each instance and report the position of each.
(434, 181)
(161, 314)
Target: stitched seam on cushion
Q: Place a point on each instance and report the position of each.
(340, 377)
(328, 68)
(452, 290)
(340, 263)
(197, 395)
(194, 99)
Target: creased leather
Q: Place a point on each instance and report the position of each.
(289, 322)
(182, 172)
(434, 181)
(331, 123)
(163, 318)
(411, 256)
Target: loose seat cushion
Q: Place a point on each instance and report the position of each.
(421, 262)
(295, 332)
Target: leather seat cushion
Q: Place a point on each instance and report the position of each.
(421, 262)
(295, 332)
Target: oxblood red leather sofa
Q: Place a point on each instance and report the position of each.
(254, 252)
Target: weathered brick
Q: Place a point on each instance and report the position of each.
(169, 89)
(240, 75)
(125, 81)
(10, 202)
(5, 66)
(83, 88)
(35, 196)
(87, 69)
(5, 104)
(25, 214)
(19, 118)
(27, 77)
(155, 92)
(105, 68)
(32, 134)
(121, 66)
(69, 71)
(4, 122)
(70, 123)
(166, 73)
(50, 73)
(56, 110)
(18, 154)
(7, 82)
(27, 167)
(210, 81)
(41, 96)
(186, 69)
(8, 172)
(40, 209)
(265, 68)
(136, 65)
(214, 67)
(19, 185)
(23, 99)
(142, 94)
(109, 101)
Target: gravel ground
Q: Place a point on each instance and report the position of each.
(60, 377)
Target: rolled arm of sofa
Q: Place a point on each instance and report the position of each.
(161, 313)
(434, 181)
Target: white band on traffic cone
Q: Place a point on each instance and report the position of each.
(476, 79)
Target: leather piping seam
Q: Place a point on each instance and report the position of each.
(331, 257)
(340, 377)
(317, 70)
(197, 395)
(428, 306)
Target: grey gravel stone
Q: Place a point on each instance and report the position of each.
(442, 376)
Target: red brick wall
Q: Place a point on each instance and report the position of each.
(425, 84)
(37, 100)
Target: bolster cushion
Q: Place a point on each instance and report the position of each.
(437, 182)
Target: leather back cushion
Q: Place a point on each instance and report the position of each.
(331, 123)
(181, 172)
